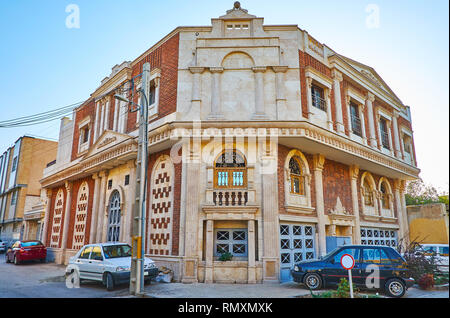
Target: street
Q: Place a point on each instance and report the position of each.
(35, 280)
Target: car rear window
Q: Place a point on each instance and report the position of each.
(28, 244)
(394, 255)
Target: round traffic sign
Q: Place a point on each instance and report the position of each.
(347, 261)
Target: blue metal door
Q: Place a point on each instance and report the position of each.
(296, 244)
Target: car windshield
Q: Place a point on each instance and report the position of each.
(117, 251)
(28, 244)
(329, 254)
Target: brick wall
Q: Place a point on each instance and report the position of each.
(165, 58)
(336, 183)
(176, 199)
(73, 209)
(51, 212)
(81, 114)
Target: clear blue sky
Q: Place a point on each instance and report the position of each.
(45, 65)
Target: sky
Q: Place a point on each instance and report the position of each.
(47, 63)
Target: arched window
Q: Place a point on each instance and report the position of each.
(385, 200)
(368, 193)
(230, 170)
(296, 176)
(114, 221)
(80, 217)
(57, 217)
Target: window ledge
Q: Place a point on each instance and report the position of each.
(299, 209)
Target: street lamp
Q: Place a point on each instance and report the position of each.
(139, 210)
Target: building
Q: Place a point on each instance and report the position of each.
(21, 168)
(428, 224)
(263, 143)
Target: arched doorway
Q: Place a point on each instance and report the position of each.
(114, 218)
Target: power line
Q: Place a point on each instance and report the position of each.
(39, 118)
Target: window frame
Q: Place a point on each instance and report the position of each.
(384, 133)
(299, 177)
(231, 242)
(318, 100)
(230, 171)
(355, 115)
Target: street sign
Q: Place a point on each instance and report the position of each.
(348, 262)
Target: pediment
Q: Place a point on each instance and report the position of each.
(370, 74)
(237, 13)
(107, 140)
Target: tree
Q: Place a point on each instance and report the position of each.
(418, 193)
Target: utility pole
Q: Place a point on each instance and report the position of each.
(139, 208)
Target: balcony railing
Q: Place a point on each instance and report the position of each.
(356, 125)
(319, 102)
(230, 198)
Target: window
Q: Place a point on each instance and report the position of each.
(14, 198)
(152, 97)
(96, 253)
(85, 135)
(230, 171)
(318, 100)
(109, 184)
(368, 194)
(443, 250)
(14, 164)
(378, 236)
(407, 144)
(85, 253)
(384, 133)
(117, 251)
(296, 176)
(127, 179)
(233, 241)
(384, 197)
(351, 251)
(376, 256)
(355, 119)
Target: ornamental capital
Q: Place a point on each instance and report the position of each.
(354, 171)
(370, 97)
(336, 75)
(318, 162)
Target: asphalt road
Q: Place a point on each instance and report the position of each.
(36, 280)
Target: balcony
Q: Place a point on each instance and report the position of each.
(230, 197)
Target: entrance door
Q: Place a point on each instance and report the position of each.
(296, 244)
(114, 218)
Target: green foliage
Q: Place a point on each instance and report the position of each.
(441, 279)
(226, 257)
(418, 193)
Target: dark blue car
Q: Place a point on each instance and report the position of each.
(376, 267)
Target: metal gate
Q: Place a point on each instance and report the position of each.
(296, 244)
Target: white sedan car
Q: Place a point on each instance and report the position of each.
(108, 263)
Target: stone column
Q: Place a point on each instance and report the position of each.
(196, 90)
(97, 119)
(101, 206)
(337, 79)
(398, 153)
(402, 214)
(269, 184)
(209, 251)
(319, 161)
(216, 107)
(189, 272)
(354, 174)
(69, 187)
(329, 115)
(94, 214)
(363, 124)
(372, 136)
(106, 120)
(251, 253)
(116, 114)
(280, 87)
(309, 97)
(130, 202)
(102, 117)
(48, 203)
(259, 93)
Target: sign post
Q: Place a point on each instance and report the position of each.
(348, 262)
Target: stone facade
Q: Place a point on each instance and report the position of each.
(263, 143)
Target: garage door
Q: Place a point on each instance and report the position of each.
(296, 244)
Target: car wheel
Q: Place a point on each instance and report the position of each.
(109, 282)
(313, 281)
(395, 287)
(6, 258)
(16, 261)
